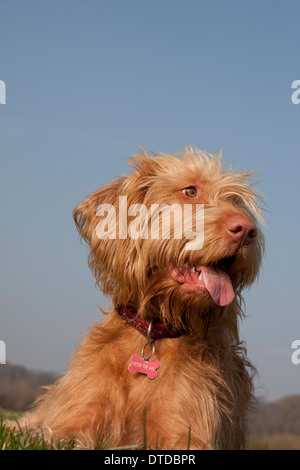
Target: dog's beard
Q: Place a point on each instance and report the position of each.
(165, 299)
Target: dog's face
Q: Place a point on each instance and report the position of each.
(178, 234)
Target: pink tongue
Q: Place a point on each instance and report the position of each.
(218, 284)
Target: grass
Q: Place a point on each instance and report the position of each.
(21, 440)
(17, 439)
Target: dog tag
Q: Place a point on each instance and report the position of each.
(139, 364)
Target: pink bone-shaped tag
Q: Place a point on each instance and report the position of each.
(138, 364)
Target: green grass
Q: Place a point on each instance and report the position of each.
(17, 439)
(21, 440)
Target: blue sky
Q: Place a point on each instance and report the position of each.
(88, 81)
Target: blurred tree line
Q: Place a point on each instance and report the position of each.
(20, 387)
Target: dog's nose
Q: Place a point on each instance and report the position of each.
(241, 230)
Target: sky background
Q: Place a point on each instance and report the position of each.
(88, 81)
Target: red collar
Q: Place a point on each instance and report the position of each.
(159, 330)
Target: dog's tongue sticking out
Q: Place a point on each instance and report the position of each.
(216, 281)
(218, 284)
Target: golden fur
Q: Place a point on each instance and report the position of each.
(203, 389)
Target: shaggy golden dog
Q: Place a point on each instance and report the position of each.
(173, 244)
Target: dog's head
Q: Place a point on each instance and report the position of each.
(177, 238)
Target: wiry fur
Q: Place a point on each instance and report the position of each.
(203, 389)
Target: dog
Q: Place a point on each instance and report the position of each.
(166, 368)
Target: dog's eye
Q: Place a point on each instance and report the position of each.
(191, 191)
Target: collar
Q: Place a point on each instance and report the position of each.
(158, 330)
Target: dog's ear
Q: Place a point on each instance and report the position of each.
(84, 213)
(101, 254)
